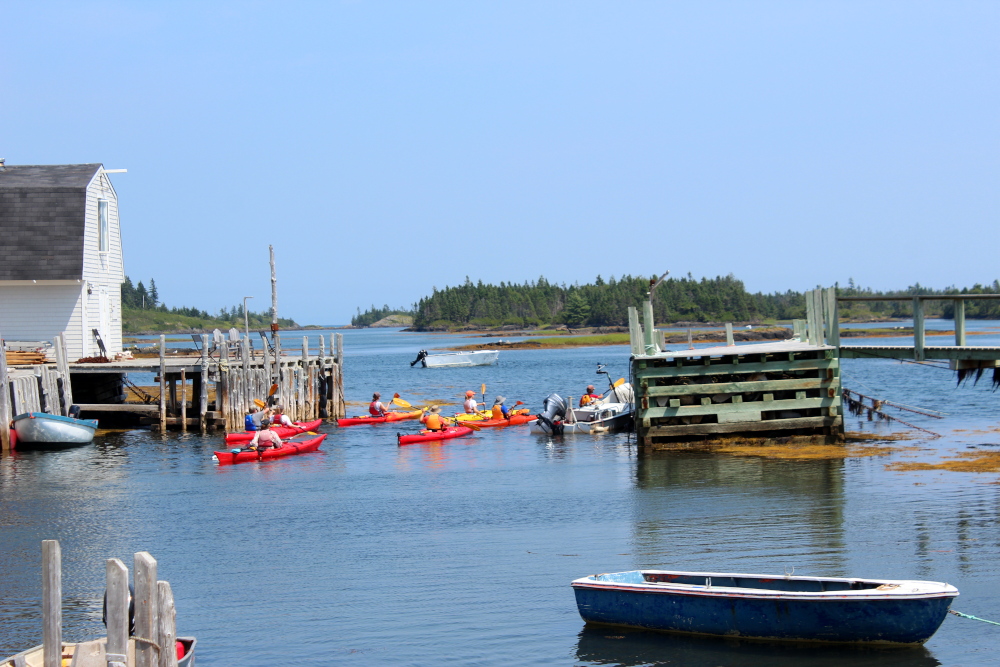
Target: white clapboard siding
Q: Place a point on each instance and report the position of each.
(41, 312)
(103, 270)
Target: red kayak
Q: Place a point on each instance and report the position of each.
(431, 436)
(372, 419)
(300, 444)
(514, 420)
(282, 431)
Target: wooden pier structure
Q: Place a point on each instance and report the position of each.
(789, 390)
(211, 390)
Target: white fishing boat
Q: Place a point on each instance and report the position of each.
(454, 359)
(610, 412)
(40, 429)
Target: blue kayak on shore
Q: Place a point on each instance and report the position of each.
(776, 607)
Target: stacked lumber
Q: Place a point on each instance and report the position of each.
(23, 357)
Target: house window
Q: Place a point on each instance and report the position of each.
(103, 233)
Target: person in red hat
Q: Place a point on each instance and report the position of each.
(471, 406)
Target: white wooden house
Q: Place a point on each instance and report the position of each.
(61, 266)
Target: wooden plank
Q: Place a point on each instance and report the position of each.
(119, 407)
(117, 601)
(718, 408)
(163, 383)
(166, 635)
(146, 610)
(62, 365)
(737, 387)
(648, 327)
(730, 342)
(833, 315)
(51, 603)
(303, 407)
(222, 389)
(918, 330)
(749, 427)
(731, 368)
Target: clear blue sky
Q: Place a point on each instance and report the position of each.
(385, 148)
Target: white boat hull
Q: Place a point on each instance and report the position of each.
(602, 416)
(39, 428)
(455, 359)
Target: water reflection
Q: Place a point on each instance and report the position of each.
(713, 511)
(620, 646)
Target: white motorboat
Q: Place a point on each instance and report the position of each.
(611, 412)
(454, 359)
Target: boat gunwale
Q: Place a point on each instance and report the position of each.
(944, 590)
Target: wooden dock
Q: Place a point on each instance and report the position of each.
(222, 384)
(788, 389)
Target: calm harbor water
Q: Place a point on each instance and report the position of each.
(462, 553)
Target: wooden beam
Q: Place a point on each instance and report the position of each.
(119, 407)
(739, 427)
(732, 368)
(720, 408)
(146, 610)
(184, 401)
(166, 635)
(51, 603)
(918, 330)
(710, 388)
(117, 612)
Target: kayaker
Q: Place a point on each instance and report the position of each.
(248, 422)
(470, 403)
(589, 397)
(258, 416)
(279, 418)
(433, 419)
(376, 408)
(264, 437)
(500, 410)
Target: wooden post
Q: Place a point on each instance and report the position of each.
(275, 336)
(268, 370)
(163, 383)
(117, 587)
(341, 401)
(51, 603)
(304, 407)
(146, 610)
(5, 402)
(222, 387)
(918, 329)
(960, 322)
(43, 397)
(634, 330)
(203, 389)
(63, 367)
(166, 634)
(173, 396)
(729, 334)
(832, 317)
(68, 384)
(184, 401)
(647, 328)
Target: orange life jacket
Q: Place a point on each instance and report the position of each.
(434, 422)
(497, 412)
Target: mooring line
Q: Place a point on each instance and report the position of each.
(974, 618)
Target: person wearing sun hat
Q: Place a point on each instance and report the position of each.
(433, 419)
(500, 410)
(470, 404)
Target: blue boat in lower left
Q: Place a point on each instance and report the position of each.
(40, 430)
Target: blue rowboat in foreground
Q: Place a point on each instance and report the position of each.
(754, 606)
(40, 429)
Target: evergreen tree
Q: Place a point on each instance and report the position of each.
(577, 310)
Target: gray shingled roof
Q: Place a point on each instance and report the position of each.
(42, 215)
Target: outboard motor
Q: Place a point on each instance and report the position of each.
(74, 411)
(553, 413)
(420, 356)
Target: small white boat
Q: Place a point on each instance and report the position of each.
(40, 429)
(454, 359)
(611, 412)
